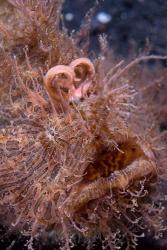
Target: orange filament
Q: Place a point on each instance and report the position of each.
(69, 83)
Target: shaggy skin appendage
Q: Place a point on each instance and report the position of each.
(76, 158)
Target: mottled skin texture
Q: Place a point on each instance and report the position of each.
(54, 167)
(76, 157)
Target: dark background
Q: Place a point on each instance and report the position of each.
(133, 25)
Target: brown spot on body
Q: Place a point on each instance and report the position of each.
(109, 161)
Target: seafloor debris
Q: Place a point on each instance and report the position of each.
(103, 17)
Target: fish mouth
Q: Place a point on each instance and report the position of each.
(111, 169)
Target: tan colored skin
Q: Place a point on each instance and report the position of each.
(77, 80)
(62, 171)
(84, 192)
